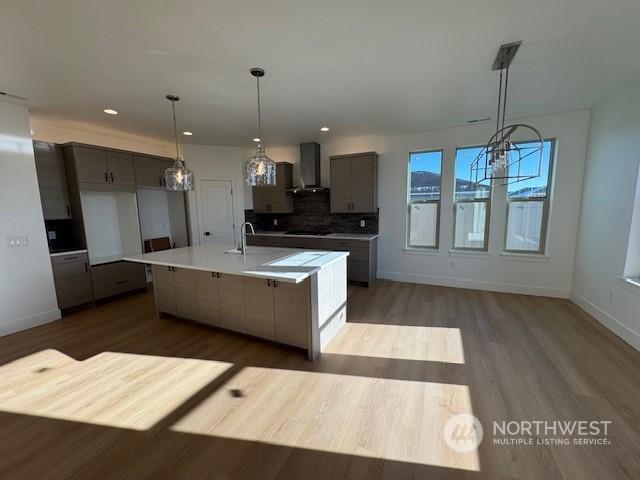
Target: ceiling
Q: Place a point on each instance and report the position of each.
(358, 66)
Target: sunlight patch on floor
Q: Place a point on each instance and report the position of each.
(430, 344)
(113, 389)
(374, 417)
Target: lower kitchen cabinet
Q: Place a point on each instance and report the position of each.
(185, 290)
(232, 298)
(207, 297)
(292, 309)
(72, 278)
(115, 278)
(259, 307)
(163, 286)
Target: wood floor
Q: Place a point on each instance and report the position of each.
(113, 392)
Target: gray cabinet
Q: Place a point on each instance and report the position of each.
(232, 314)
(362, 261)
(163, 287)
(264, 240)
(275, 199)
(72, 277)
(292, 309)
(185, 293)
(354, 183)
(52, 181)
(96, 167)
(259, 312)
(303, 242)
(149, 171)
(207, 297)
(115, 278)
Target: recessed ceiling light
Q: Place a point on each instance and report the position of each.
(256, 139)
(110, 111)
(324, 129)
(188, 134)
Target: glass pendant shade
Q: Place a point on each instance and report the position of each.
(260, 169)
(178, 178)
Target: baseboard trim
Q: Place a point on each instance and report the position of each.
(475, 284)
(609, 321)
(29, 322)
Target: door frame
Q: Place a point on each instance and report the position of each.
(200, 207)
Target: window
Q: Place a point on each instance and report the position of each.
(528, 204)
(472, 203)
(425, 179)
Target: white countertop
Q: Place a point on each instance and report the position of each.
(338, 236)
(69, 252)
(283, 264)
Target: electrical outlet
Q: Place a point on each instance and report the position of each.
(51, 234)
(362, 223)
(275, 222)
(15, 241)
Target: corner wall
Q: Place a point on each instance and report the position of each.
(27, 292)
(610, 183)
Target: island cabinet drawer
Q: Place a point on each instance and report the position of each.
(264, 240)
(303, 242)
(232, 302)
(358, 249)
(115, 278)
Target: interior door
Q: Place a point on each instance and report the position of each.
(216, 212)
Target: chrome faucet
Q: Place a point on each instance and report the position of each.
(243, 235)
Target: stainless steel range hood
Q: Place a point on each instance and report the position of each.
(309, 179)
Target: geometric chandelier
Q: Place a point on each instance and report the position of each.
(502, 159)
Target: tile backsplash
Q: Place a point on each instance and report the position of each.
(312, 212)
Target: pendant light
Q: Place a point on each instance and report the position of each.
(177, 177)
(501, 158)
(260, 169)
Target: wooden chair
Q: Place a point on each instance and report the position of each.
(157, 244)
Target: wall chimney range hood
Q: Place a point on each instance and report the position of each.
(309, 179)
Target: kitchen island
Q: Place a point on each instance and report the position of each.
(290, 296)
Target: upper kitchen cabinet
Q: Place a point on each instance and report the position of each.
(52, 181)
(276, 199)
(149, 171)
(98, 168)
(354, 183)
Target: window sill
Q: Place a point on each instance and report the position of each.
(434, 252)
(469, 253)
(631, 283)
(525, 257)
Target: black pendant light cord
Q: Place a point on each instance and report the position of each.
(504, 104)
(259, 123)
(175, 128)
(499, 101)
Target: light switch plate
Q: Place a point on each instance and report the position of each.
(362, 223)
(275, 221)
(51, 234)
(15, 241)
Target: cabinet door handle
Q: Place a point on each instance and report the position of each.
(160, 181)
(275, 284)
(218, 274)
(68, 211)
(111, 177)
(268, 282)
(86, 267)
(106, 177)
(122, 282)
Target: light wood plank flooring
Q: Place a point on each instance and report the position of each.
(113, 392)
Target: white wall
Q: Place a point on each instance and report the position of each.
(607, 206)
(210, 162)
(27, 292)
(61, 132)
(551, 276)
